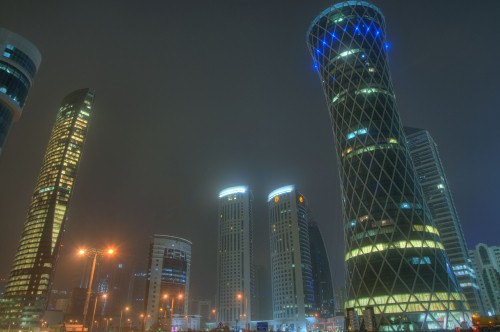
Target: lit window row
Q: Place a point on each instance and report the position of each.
(349, 152)
(394, 245)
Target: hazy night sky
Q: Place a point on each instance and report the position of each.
(196, 96)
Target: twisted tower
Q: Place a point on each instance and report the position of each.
(34, 264)
(395, 262)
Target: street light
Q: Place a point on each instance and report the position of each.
(121, 316)
(107, 323)
(179, 296)
(104, 296)
(92, 252)
(239, 296)
(214, 312)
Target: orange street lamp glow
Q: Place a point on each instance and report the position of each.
(111, 251)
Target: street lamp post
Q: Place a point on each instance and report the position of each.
(107, 323)
(95, 306)
(245, 311)
(179, 296)
(94, 253)
(121, 316)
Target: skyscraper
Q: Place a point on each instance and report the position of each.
(168, 278)
(486, 263)
(324, 305)
(19, 62)
(136, 293)
(430, 172)
(35, 260)
(235, 265)
(291, 270)
(395, 264)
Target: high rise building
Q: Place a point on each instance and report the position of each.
(168, 278)
(235, 265)
(19, 62)
(35, 260)
(136, 293)
(324, 304)
(291, 270)
(395, 263)
(437, 193)
(486, 263)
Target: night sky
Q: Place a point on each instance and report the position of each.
(196, 96)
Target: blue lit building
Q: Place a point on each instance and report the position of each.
(167, 287)
(19, 61)
(291, 269)
(432, 178)
(398, 277)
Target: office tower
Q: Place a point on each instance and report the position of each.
(136, 293)
(292, 283)
(395, 262)
(430, 172)
(339, 296)
(168, 278)
(18, 65)
(235, 266)
(324, 305)
(35, 260)
(486, 263)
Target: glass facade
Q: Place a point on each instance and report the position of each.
(432, 178)
(19, 61)
(34, 263)
(291, 268)
(322, 278)
(395, 262)
(235, 259)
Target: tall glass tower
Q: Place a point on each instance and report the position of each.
(35, 260)
(397, 273)
(291, 270)
(437, 193)
(19, 61)
(324, 304)
(235, 264)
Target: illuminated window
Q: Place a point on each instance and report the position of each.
(356, 133)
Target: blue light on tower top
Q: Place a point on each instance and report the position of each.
(280, 191)
(233, 190)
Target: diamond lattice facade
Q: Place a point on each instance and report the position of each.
(34, 263)
(396, 266)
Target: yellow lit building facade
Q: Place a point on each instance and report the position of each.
(34, 263)
(398, 275)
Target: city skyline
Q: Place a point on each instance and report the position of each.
(174, 166)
